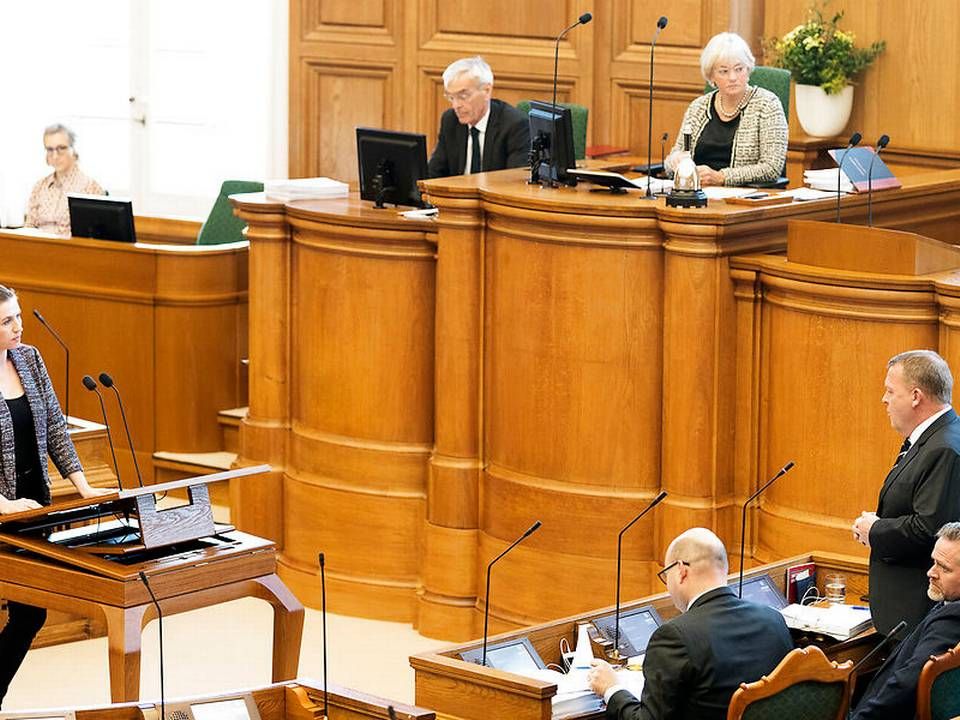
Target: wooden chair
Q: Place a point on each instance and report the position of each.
(804, 686)
(938, 690)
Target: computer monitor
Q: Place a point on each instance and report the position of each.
(391, 163)
(551, 142)
(516, 655)
(101, 217)
(762, 590)
(636, 627)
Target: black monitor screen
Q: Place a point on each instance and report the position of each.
(391, 163)
(101, 217)
(763, 591)
(551, 129)
(516, 655)
(636, 627)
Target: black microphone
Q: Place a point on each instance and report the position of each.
(107, 382)
(854, 140)
(616, 623)
(886, 641)
(66, 352)
(146, 584)
(582, 20)
(661, 24)
(743, 520)
(663, 160)
(391, 713)
(90, 384)
(881, 144)
(486, 600)
(323, 616)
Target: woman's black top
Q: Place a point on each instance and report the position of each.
(715, 145)
(29, 472)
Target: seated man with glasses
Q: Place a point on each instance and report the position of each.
(47, 207)
(696, 661)
(478, 132)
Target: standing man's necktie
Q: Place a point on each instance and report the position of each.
(903, 451)
(475, 154)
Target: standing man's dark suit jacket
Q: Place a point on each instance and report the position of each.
(892, 693)
(505, 145)
(921, 493)
(695, 662)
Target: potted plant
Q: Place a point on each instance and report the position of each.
(823, 60)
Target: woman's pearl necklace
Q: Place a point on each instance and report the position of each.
(724, 111)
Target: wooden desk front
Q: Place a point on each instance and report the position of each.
(467, 691)
(168, 322)
(425, 390)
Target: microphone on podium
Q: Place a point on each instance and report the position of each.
(90, 384)
(616, 623)
(854, 141)
(107, 382)
(743, 520)
(881, 144)
(66, 352)
(486, 600)
(661, 24)
(323, 617)
(146, 584)
(883, 643)
(582, 20)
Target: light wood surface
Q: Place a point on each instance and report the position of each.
(379, 64)
(425, 390)
(166, 321)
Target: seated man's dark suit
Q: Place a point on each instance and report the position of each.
(920, 493)
(695, 662)
(506, 143)
(893, 691)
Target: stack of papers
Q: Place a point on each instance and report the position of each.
(837, 621)
(305, 189)
(827, 180)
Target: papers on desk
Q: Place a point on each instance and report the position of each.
(305, 189)
(574, 696)
(838, 621)
(827, 180)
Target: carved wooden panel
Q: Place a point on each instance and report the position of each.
(504, 17)
(369, 21)
(684, 27)
(631, 106)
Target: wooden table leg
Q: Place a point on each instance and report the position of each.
(124, 626)
(287, 626)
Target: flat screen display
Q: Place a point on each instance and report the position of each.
(636, 627)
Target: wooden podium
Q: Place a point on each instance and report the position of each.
(95, 556)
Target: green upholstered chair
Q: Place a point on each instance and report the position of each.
(578, 114)
(938, 690)
(804, 686)
(777, 81)
(222, 226)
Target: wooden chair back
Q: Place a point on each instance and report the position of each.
(938, 690)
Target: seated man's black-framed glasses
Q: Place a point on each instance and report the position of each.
(663, 573)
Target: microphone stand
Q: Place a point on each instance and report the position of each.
(886, 641)
(616, 623)
(90, 384)
(582, 20)
(486, 600)
(146, 584)
(661, 24)
(854, 141)
(881, 144)
(66, 352)
(743, 520)
(107, 382)
(323, 613)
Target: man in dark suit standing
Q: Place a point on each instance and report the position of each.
(920, 493)
(695, 662)
(892, 694)
(478, 133)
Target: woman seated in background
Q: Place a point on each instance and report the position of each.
(47, 208)
(738, 132)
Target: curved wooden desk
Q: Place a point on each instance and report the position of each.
(425, 390)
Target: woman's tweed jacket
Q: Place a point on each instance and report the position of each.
(48, 419)
(760, 144)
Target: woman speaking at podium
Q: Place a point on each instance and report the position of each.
(32, 426)
(738, 131)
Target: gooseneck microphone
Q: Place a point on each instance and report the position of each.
(854, 141)
(881, 144)
(616, 624)
(883, 643)
(323, 617)
(663, 158)
(582, 20)
(661, 24)
(66, 352)
(486, 600)
(107, 382)
(90, 384)
(146, 584)
(743, 520)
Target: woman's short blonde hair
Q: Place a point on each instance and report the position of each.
(725, 46)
